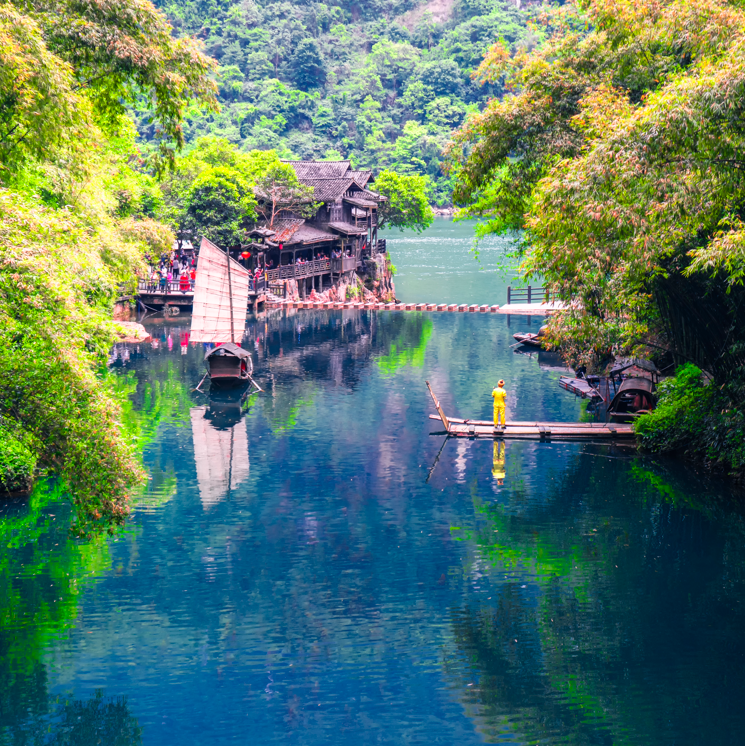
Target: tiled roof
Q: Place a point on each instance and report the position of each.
(328, 190)
(284, 230)
(367, 194)
(260, 232)
(308, 234)
(361, 177)
(361, 202)
(347, 229)
(319, 169)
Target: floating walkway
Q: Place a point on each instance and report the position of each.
(525, 309)
(546, 431)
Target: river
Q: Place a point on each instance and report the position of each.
(316, 565)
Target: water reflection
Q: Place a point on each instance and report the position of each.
(365, 581)
(70, 722)
(220, 445)
(621, 613)
(499, 460)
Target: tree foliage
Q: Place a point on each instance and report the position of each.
(219, 204)
(307, 79)
(122, 51)
(406, 204)
(279, 189)
(76, 216)
(621, 155)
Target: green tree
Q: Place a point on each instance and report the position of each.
(219, 206)
(279, 189)
(308, 66)
(40, 110)
(406, 204)
(621, 155)
(118, 52)
(393, 62)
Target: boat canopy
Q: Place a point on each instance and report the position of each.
(632, 395)
(228, 349)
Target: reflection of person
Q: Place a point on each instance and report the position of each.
(500, 396)
(500, 457)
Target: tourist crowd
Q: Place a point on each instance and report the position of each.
(175, 267)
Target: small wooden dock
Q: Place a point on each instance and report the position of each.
(545, 431)
(580, 387)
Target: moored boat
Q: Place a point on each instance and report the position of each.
(229, 365)
(635, 397)
(528, 338)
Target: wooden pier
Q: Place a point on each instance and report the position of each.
(545, 431)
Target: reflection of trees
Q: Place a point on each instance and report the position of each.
(629, 627)
(149, 403)
(94, 722)
(303, 352)
(409, 346)
(41, 572)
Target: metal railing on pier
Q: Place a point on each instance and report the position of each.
(528, 295)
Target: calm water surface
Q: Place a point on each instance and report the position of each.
(313, 566)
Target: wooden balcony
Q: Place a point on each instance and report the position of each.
(296, 271)
(345, 264)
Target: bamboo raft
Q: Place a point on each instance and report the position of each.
(547, 431)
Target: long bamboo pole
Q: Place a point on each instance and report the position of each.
(230, 292)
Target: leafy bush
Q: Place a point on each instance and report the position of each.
(17, 461)
(701, 420)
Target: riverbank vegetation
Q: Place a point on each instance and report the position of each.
(620, 156)
(76, 216)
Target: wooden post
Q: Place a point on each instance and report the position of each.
(509, 295)
(230, 292)
(530, 300)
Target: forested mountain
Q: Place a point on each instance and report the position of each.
(383, 82)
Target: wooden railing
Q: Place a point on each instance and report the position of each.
(381, 246)
(174, 287)
(292, 271)
(345, 264)
(166, 288)
(278, 288)
(527, 295)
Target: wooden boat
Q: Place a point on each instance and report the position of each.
(635, 397)
(528, 338)
(219, 315)
(544, 431)
(229, 364)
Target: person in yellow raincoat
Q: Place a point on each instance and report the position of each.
(498, 469)
(500, 397)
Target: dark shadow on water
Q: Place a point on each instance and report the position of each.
(70, 722)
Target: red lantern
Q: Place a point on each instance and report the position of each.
(246, 254)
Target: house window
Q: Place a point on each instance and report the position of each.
(336, 212)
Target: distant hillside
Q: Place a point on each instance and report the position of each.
(382, 82)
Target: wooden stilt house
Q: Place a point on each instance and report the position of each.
(336, 240)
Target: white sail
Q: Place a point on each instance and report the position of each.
(221, 457)
(215, 318)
